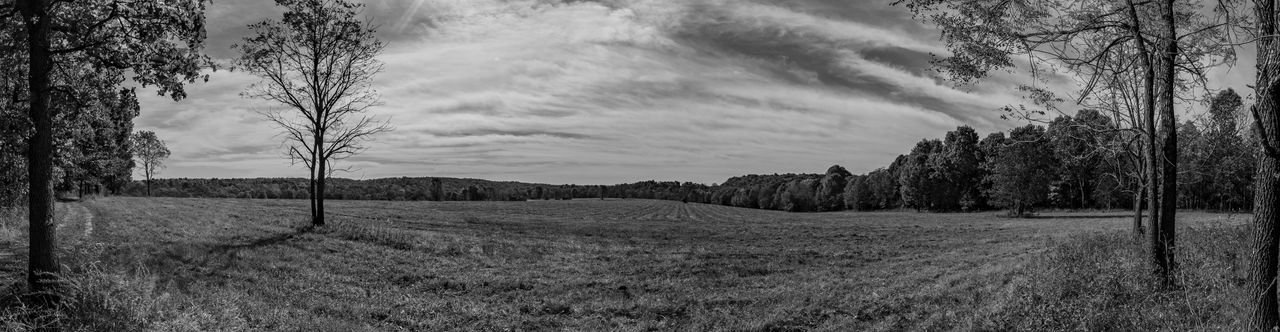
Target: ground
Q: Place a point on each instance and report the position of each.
(556, 265)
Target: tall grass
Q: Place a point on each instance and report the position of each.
(1101, 282)
(97, 298)
(13, 226)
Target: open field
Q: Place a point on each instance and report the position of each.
(580, 265)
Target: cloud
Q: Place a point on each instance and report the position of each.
(608, 91)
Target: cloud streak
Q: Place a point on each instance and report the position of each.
(608, 91)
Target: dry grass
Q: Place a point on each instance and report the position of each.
(1100, 282)
(207, 264)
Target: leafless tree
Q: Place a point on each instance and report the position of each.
(318, 61)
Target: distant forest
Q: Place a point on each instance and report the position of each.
(1072, 162)
(416, 189)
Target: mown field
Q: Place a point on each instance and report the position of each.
(238, 264)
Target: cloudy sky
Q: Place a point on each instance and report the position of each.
(573, 91)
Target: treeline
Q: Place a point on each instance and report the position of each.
(415, 189)
(93, 151)
(1084, 161)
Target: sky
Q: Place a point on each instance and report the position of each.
(611, 91)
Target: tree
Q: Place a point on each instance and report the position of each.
(1228, 163)
(95, 148)
(157, 43)
(1078, 143)
(151, 153)
(960, 166)
(918, 177)
(1266, 211)
(1082, 38)
(798, 195)
(319, 60)
(437, 190)
(1022, 170)
(830, 195)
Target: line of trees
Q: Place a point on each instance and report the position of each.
(1073, 162)
(64, 63)
(416, 189)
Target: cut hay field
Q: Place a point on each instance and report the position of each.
(237, 264)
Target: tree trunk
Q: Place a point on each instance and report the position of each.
(311, 188)
(1137, 212)
(320, 176)
(1149, 125)
(1169, 124)
(317, 180)
(42, 264)
(1266, 237)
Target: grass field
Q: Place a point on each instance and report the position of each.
(232, 264)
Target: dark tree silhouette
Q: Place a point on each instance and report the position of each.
(319, 60)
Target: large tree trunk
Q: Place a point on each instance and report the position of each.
(42, 264)
(1164, 256)
(1266, 236)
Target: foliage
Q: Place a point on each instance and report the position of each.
(1216, 158)
(151, 153)
(1022, 170)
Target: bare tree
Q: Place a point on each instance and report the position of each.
(318, 61)
(150, 152)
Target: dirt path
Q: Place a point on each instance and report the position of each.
(74, 225)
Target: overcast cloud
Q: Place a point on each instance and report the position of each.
(608, 91)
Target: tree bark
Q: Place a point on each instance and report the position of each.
(311, 188)
(42, 264)
(317, 181)
(1266, 237)
(1138, 198)
(320, 176)
(1169, 186)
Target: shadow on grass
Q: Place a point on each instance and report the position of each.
(259, 243)
(1080, 216)
(185, 263)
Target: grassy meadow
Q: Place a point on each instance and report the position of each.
(182, 264)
